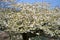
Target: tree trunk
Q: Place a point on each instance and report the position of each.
(25, 36)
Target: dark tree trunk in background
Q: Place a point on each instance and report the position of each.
(28, 35)
(25, 36)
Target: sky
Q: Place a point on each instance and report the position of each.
(53, 3)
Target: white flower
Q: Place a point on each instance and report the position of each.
(31, 25)
(37, 33)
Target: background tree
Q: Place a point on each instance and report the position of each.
(6, 4)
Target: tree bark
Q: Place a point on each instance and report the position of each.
(25, 36)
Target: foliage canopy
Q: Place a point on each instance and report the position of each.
(31, 17)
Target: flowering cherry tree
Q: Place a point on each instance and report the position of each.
(31, 19)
